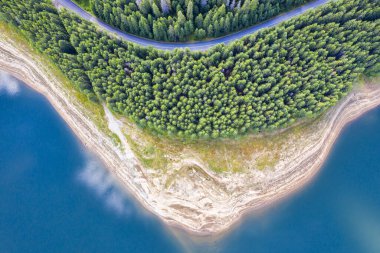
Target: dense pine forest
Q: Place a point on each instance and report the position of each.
(267, 80)
(181, 20)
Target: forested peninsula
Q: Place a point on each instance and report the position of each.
(201, 137)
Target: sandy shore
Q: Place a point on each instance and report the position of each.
(199, 200)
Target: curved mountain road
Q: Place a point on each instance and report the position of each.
(196, 45)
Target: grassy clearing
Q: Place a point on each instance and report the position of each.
(85, 4)
(226, 155)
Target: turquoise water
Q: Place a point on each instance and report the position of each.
(56, 197)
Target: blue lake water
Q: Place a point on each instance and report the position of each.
(56, 197)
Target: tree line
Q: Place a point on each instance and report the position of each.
(182, 20)
(264, 81)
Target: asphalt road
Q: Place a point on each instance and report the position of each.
(196, 45)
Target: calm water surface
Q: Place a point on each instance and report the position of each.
(56, 197)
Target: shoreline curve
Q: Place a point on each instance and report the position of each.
(180, 210)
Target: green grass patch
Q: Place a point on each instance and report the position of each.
(85, 4)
